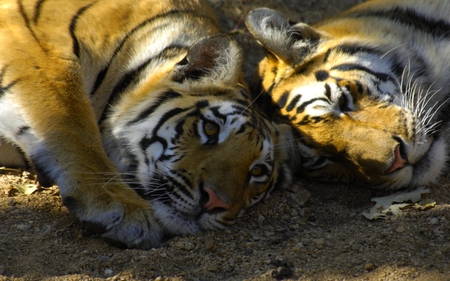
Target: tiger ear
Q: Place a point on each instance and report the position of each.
(289, 42)
(217, 58)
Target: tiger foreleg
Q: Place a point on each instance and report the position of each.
(63, 143)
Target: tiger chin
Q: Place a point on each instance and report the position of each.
(367, 90)
(138, 112)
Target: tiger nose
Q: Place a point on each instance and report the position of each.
(214, 201)
(399, 160)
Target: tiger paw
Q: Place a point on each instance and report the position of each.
(122, 221)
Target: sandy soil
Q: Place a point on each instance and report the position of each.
(283, 238)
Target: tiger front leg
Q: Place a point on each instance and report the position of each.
(60, 137)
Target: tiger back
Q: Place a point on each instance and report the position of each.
(138, 112)
(367, 90)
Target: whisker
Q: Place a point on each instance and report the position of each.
(391, 50)
(253, 101)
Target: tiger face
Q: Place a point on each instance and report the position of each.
(198, 151)
(363, 100)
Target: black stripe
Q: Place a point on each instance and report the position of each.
(22, 130)
(283, 99)
(307, 119)
(125, 81)
(216, 94)
(242, 129)
(435, 27)
(185, 188)
(169, 114)
(328, 91)
(216, 112)
(322, 75)
(360, 87)
(202, 104)
(163, 98)
(37, 10)
(129, 77)
(99, 79)
(101, 75)
(72, 26)
(146, 142)
(357, 67)
(293, 103)
(302, 107)
(7, 87)
(27, 23)
(352, 49)
(327, 54)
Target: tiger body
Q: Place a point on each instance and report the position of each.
(101, 96)
(367, 90)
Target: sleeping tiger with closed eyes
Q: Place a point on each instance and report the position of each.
(137, 111)
(367, 90)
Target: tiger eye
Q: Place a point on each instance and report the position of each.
(210, 128)
(257, 170)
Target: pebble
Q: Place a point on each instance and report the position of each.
(188, 246)
(23, 227)
(250, 245)
(11, 201)
(319, 242)
(368, 266)
(433, 220)
(438, 255)
(261, 219)
(208, 242)
(293, 227)
(400, 229)
(108, 272)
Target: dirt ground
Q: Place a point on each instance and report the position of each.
(283, 238)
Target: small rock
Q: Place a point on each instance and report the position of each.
(368, 266)
(209, 242)
(433, 221)
(261, 219)
(282, 272)
(185, 245)
(293, 227)
(400, 229)
(438, 255)
(11, 201)
(102, 258)
(256, 237)
(108, 272)
(250, 245)
(23, 227)
(319, 242)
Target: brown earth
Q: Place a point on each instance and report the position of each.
(326, 238)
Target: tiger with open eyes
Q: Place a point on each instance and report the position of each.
(367, 90)
(105, 95)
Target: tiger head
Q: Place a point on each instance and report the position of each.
(190, 141)
(357, 118)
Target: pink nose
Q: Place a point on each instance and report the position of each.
(398, 163)
(214, 201)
